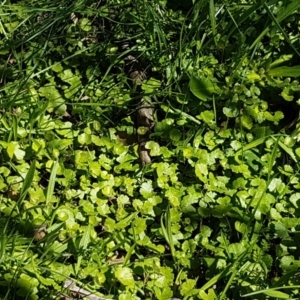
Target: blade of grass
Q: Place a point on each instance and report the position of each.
(216, 278)
(289, 151)
(165, 223)
(128, 254)
(271, 289)
(28, 180)
(212, 16)
(273, 158)
(83, 244)
(51, 185)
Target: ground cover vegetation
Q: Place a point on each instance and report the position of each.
(149, 149)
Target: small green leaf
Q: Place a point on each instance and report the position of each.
(163, 293)
(240, 227)
(188, 288)
(208, 117)
(203, 88)
(142, 130)
(201, 172)
(174, 196)
(13, 150)
(123, 200)
(38, 145)
(66, 215)
(246, 122)
(151, 85)
(211, 295)
(126, 221)
(146, 189)
(253, 76)
(27, 286)
(286, 95)
(175, 135)
(73, 80)
(295, 199)
(166, 153)
(107, 191)
(110, 225)
(84, 139)
(231, 111)
(85, 24)
(124, 275)
(281, 230)
(57, 68)
(154, 148)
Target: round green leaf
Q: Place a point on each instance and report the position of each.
(175, 135)
(13, 149)
(203, 87)
(246, 122)
(124, 275)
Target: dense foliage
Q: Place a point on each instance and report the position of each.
(215, 215)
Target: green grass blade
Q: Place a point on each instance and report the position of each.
(229, 282)
(129, 254)
(289, 151)
(272, 159)
(212, 15)
(285, 71)
(28, 180)
(266, 291)
(86, 237)
(51, 185)
(165, 223)
(216, 278)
